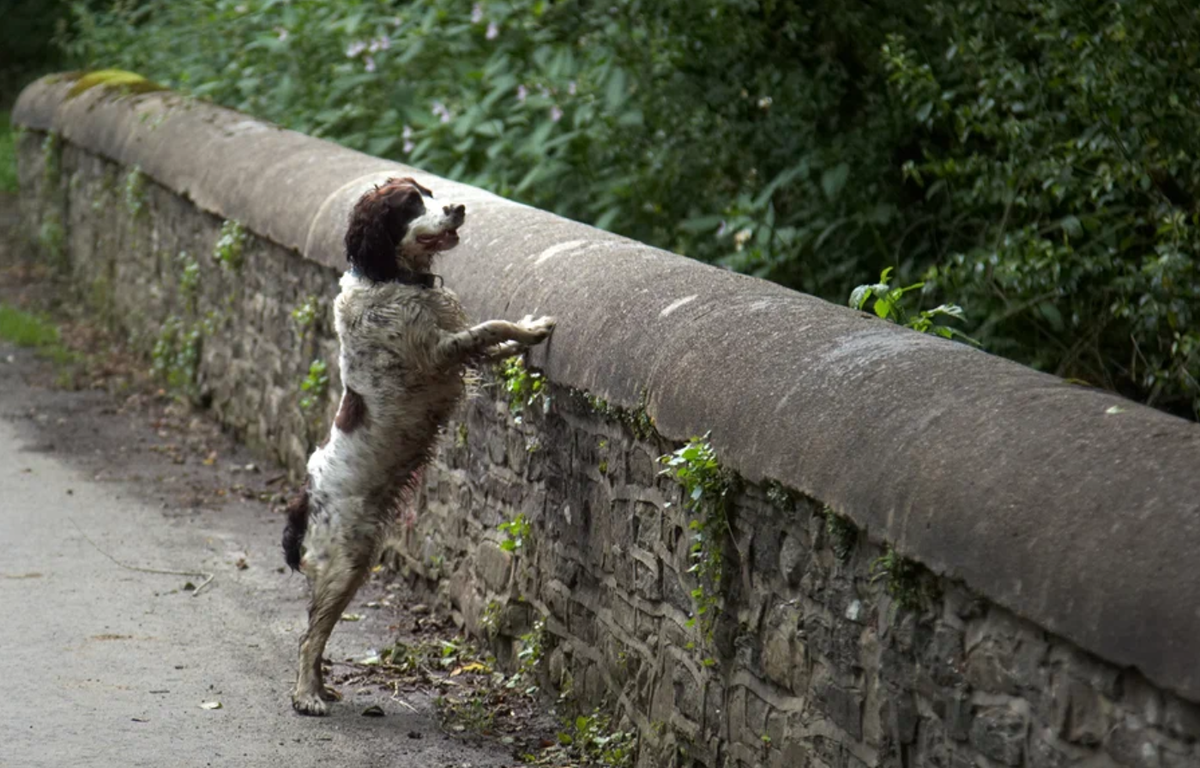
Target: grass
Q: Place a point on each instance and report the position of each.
(29, 330)
(25, 329)
(8, 154)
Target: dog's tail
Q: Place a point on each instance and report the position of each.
(297, 525)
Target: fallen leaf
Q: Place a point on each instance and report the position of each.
(1114, 409)
(373, 711)
(241, 564)
(211, 705)
(139, 720)
(351, 617)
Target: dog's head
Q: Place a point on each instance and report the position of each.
(397, 226)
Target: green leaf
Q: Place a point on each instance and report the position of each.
(834, 179)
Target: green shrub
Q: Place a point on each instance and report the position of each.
(1034, 160)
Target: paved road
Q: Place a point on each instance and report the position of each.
(106, 666)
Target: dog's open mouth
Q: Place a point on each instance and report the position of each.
(439, 242)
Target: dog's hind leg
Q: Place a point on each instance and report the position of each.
(333, 588)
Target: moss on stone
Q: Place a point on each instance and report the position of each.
(127, 83)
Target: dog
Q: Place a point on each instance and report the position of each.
(405, 348)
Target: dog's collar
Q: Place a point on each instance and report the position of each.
(408, 277)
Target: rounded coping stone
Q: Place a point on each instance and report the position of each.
(1072, 507)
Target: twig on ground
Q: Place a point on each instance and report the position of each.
(208, 577)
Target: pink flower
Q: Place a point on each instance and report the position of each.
(440, 110)
(555, 113)
(355, 48)
(522, 93)
(381, 43)
(369, 62)
(476, 13)
(571, 87)
(492, 31)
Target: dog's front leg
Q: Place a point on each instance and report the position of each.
(458, 347)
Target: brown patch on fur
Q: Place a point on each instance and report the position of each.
(352, 413)
(297, 526)
(379, 222)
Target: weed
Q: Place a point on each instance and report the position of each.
(595, 739)
(461, 433)
(489, 620)
(135, 192)
(705, 493)
(315, 385)
(516, 532)
(636, 419)
(905, 579)
(780, 496)
(523, 386)
(306, 312)
(189, 279)
(176, 355)
(25, 329)
(51, 154)
(533, 648)
(888, 303)
(52, 237)
(230, 245)
(842, 534)
(8, 154)
(29, 330)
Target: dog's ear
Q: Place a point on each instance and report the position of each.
(413, 182)
(378, 223)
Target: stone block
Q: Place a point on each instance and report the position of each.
(999, 734)
(794, 556)
(842, 705)
(493, 565)
(1080, 713)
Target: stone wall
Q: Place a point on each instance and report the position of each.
(826, 647)
(812, 662)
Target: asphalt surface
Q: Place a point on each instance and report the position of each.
(109, 666)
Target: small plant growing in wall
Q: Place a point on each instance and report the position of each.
(51, 146)
(516, 532)
(135, 192)
(176, 354)
(888, 301)
(523, 386)
(598, 742)
(636, 419)
(189, 279)
(230, 244)
(705, 494)
(315, 385)
(842, 534)
(905, 579)
(306, 313)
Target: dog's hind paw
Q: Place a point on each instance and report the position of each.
(310, 704)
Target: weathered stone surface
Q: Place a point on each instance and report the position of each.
(999, 734)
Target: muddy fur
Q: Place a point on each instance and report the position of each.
(405, 348)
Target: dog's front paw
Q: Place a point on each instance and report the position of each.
(310, 703)
(539, 327)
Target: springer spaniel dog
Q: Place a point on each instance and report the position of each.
(405, 347)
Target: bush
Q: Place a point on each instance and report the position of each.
(1031, 160)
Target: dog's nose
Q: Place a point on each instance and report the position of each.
(456, 213)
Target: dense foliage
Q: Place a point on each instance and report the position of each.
(1033, 160)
